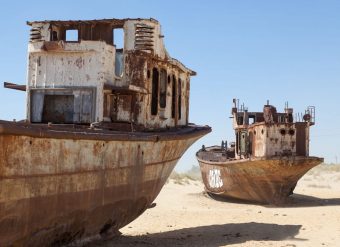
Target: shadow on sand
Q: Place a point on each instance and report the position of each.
(299, 200)
(293, 201)
(212, 235)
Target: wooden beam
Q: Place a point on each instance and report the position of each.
(14, 86)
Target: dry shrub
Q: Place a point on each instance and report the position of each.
(192, 175)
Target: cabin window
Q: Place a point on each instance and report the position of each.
(62, 106)
(173, 98)
(154, 100)
(118, 38)
(283, 132)
(291, 132)
(57, 33)
(251, 120)
(237, 142)
(163, 85)
(55, 36)
(58, 109)
(179, 98)
(243, 142)
(72, 35)
(250, 141)
(118, 41)
(240, 120)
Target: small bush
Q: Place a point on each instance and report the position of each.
(192, 175)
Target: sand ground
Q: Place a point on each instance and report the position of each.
(186, 216)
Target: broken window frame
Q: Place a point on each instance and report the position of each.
(163, 79)
(79, 93)
(87, 32)
(155, 91)
(119, 53)
(72, 41)
(179, 98)
(173, 96)
(122, 36)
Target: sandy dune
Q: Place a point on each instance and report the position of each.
(186, 216)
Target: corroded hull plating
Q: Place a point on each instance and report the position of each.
(57, 185)
(269, 180)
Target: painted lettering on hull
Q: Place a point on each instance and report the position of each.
(214, 178)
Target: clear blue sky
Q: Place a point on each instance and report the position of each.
(252, 50)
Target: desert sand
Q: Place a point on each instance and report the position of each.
(186, 216)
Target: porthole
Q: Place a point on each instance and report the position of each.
(283, 132)
(291, 132)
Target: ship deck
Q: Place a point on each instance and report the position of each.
(86, 132)
(216, 156)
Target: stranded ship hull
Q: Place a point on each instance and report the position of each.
(267, 180)
(58, 185)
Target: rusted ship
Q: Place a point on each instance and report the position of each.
(105, 127)
(270, 155)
